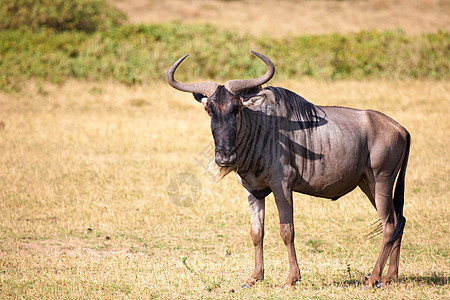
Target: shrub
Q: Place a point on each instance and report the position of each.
(84, 15)
(141, 53)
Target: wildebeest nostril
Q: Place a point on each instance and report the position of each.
(227, 159)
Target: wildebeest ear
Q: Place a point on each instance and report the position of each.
(200, 98)
(255, 100)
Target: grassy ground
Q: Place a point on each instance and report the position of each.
(278, 18)
(87, 208)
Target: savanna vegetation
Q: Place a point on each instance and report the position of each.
(54, 42)
(94, 145)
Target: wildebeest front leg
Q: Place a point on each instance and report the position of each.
(257, 211)
(283, 199)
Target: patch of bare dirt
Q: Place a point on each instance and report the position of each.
(295, 17)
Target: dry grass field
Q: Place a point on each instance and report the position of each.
(277, 18)
(87, 209)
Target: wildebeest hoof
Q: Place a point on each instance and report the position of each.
(294, 281)
(378, 284)
(251, 282)
(288, 287)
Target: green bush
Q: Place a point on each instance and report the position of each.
(141, 53)
(84, 15)
(367, 54)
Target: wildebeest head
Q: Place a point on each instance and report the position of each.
(223, 104)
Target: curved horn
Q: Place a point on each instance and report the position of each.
(206, 88)
(238, 85)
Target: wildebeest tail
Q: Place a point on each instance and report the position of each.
(399, 195)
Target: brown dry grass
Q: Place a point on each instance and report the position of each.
(295, 17)
(85, 211)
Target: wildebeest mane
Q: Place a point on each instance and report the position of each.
(302, 110)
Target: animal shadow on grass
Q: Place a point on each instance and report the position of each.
(431, 280)
(435, 279)
(349, 283)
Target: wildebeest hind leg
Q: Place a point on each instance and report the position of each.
(392, 273)
(365, 187)
(385, 208)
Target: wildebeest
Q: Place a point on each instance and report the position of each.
(277, 142)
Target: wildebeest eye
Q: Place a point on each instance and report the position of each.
(208, 109)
